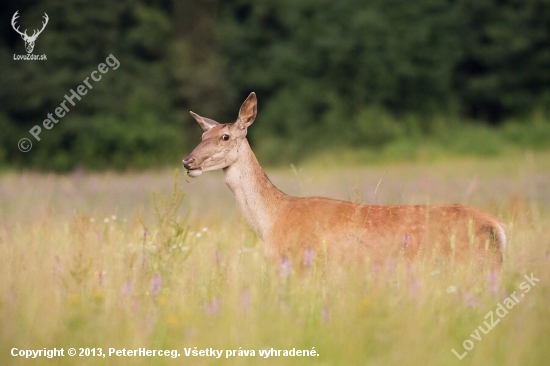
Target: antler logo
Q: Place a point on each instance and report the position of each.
(29, 40)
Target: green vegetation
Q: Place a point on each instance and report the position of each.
(378, 137)
(448, 98)
(116, 266)
(398, 78)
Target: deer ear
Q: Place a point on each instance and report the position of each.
(206, 123)
(247, 113)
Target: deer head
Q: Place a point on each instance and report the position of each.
(220, 143)
(29, 40)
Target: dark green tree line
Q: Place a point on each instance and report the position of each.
(327, 73)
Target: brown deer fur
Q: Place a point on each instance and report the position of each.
(338, 230)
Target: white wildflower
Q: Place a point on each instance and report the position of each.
(451, 289)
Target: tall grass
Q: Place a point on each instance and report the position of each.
(129, 261)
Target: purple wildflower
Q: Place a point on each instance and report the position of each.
(285, 267)
(493, 281)
(128, 288)
(214, 307)
(100, 278)
(391, 265)
(58, 267)
(406, 240)
(245, 299)
(309, 255)
(469, 299)
(325, 315)
(156, 284)
(11, 297)
(414, 287)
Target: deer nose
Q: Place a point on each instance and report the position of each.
(188, 162)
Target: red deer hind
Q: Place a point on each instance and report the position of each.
(294, 227)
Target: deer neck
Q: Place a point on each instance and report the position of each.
(258, 199)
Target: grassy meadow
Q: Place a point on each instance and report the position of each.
(149, 260)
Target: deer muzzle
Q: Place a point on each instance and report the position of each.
(189, 163)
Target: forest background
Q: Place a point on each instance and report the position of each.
(364, 81)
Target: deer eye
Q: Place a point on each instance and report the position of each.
(225, 137)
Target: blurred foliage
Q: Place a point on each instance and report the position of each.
(329, 75)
